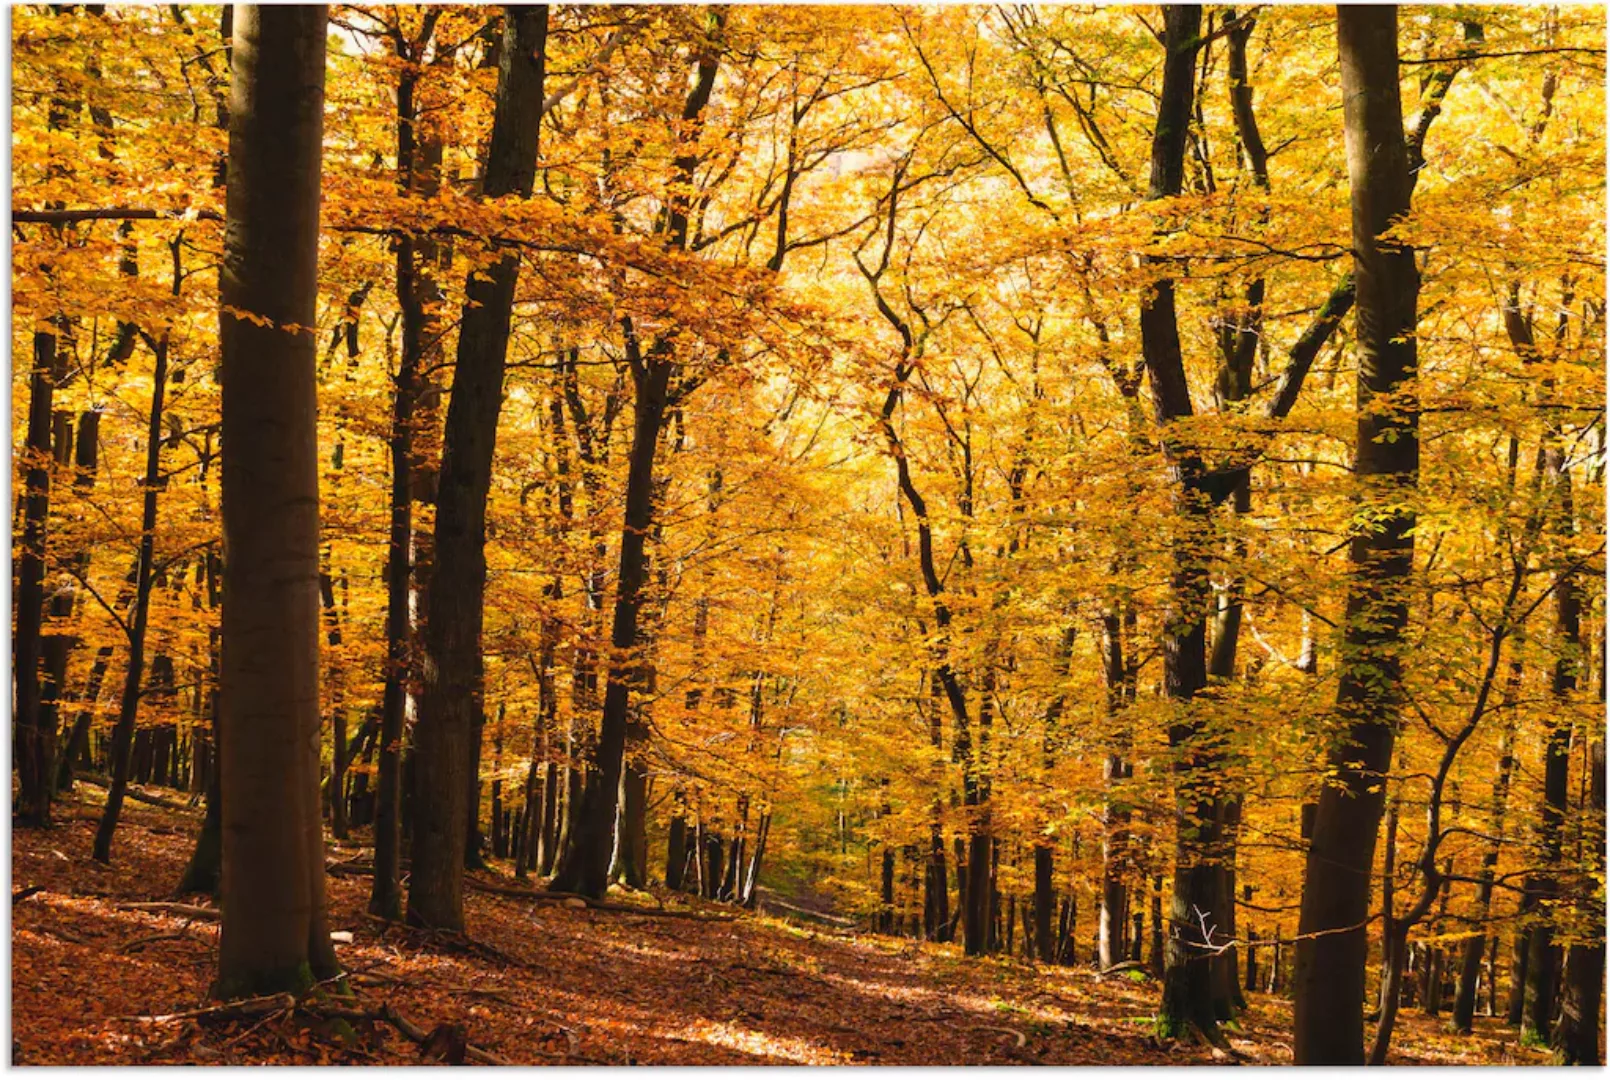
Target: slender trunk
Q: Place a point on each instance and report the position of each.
(676, 848)
(584, 864)
(1333, 939)
(1576, 1037)
(752, 881)
(1114, 914)
(128, 707)
(32, 749)
(1464, 1009)
(275, 935)
(451, 698)
(1544, 887)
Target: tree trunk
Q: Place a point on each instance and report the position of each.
(275, 936)
(451, 698)
(584, 864)
(1576, 1037)
(32, 748)
(1045, 900)
(1544, 887)
(676, 849)
(128, 707)
(1464, 1008)
(1333, 938)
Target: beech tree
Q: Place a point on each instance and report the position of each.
(275, 935)
(446, 737)
(1333, 937)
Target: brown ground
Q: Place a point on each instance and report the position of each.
(595, 988)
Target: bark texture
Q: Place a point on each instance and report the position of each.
(274, 933)
(1333, 935)
(450, 702)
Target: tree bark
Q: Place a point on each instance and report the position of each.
(1576, 1036)
(584, 865)
(1333, 936)
(275, 935)
(1464, 1008)
(128, 706)
(451, 700)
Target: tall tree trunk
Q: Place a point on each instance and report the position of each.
(451, 698)
(32, 748)
(1576, 1037)
(1543, 887)
(584, 865)
(1187, 996)
(275, 935)
(1333, 940)
(128, 707)
(1464, 1008)
(1114, 913)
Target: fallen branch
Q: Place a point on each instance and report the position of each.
(152, 939)
(518, 893)
(245, 1009)
(168, 907)
(1125, 965)
(411, 1031)
(807, 913)
(1022, 1039)
(23, 894)
(137, 796)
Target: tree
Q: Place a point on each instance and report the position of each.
(275, 936)
(452, 698)
(1333, 928)
(584, 865)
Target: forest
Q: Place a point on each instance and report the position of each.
(846, 534)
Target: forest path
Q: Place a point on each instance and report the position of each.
(583, 987)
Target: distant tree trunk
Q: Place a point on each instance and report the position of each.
(1576, 1037)
(1543, 887)
(1333, 940)
(32, 747)
(676, 848)
(451, 699)
(1045, 899)
(56, 646)
(128, 707)
(1114, 913)
(585, 862)
(1520, 955)
(1464, 1008)
(275, 936)
(752, 881)
(204, 872)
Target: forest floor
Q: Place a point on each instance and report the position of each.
(549, 983)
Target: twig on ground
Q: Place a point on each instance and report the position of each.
(1022, 1039)
(167, 907)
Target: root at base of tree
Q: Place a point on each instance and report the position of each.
(445, 1042)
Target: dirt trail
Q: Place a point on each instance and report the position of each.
(573, 986)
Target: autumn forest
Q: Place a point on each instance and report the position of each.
(912, 535)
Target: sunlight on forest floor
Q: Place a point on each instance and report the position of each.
(598, 988)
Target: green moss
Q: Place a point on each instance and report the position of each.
(293, 980)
